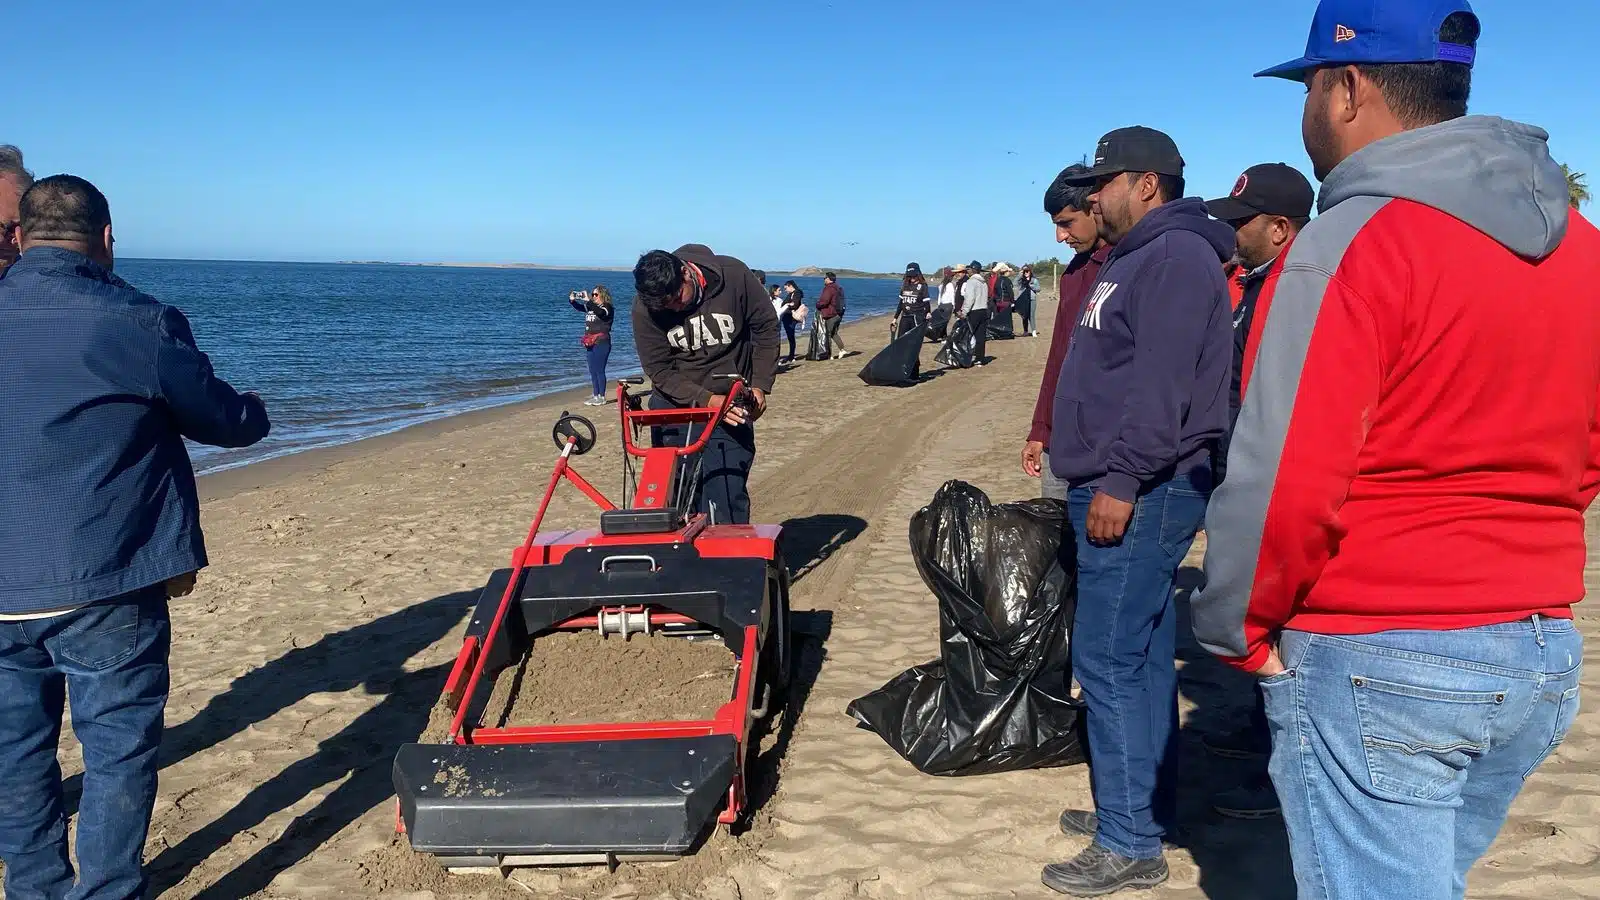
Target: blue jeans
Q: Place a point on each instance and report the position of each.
(1397, 754)
(789, 325)
(112, 658)
(599, 355)
(1124, 646)
(723, 491)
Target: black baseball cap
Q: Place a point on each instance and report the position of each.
(913, 269)
(1273, 189)
(1135, 149)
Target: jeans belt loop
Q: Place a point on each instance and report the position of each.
(1538, 630)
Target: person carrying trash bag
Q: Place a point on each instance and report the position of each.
(998, 698)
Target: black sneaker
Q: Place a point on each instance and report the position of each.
(1256, 800)
(1097, 871)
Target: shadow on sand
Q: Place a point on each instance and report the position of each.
(1238, 860)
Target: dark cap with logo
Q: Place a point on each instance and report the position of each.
(913, 269)
(1375, 32)
(1273, 189)
(1135, 149)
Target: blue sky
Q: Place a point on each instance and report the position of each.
(859, 134)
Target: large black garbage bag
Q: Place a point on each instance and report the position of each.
(818, 347)
(998, 698)
(939, 324)
(899, 364)
(960, 349)
(1002, 326)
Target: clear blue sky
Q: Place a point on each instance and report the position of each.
(586, 132)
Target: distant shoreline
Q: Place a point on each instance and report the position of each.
(802, 272)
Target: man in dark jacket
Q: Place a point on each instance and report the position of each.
(1269, 205)
(701, 317)
(1145, 390)
(100, 522)
(830, 306)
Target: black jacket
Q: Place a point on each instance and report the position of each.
(732, 331)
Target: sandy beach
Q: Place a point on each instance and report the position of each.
(339, 585)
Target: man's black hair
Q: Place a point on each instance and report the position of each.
(64, 208)
(829, 276)
(1170, 186)
(1421, 94)
(760, 274)
(1060, 195)
(657, 276)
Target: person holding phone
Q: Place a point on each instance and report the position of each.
(598, 314)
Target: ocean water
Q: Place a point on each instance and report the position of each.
(342, 352)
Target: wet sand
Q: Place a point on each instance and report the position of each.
(317, 641)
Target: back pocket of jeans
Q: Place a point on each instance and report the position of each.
(104, 636)
(1419, 740)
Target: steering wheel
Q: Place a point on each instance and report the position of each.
(574, 428)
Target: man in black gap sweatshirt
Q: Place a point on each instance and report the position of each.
(699, 316)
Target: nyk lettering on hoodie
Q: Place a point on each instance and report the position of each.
(694, 333)
(1091, 309)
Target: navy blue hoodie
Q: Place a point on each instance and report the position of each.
(1145, 382)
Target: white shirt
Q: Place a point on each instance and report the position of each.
(947, 295)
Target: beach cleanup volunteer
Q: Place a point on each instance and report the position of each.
(974, 298)
(101, 522)
(1399, 540)
(830, 306)
(1068, 208)
(1140, 405)
(1268, 206)
(700, 316)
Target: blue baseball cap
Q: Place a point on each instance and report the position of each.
(1375, 32)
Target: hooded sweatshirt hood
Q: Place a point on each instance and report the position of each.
(1187, 214)
(1491, 173)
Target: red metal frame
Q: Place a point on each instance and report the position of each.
(732, 718)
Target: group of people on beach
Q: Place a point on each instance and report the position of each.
(1390, 460)
(1391, 464)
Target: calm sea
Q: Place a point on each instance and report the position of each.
(343, 352)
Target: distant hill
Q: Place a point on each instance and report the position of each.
(816, 272)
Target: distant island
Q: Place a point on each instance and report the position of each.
(816, 272)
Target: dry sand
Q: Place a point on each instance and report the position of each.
(340, 582)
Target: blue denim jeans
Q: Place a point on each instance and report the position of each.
(112, 658)
(723, 492)
(598, 356)
(1397, 754)
(1124, 645)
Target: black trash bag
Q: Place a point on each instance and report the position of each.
(939, 324)
(818, 348)
(899, 364)
(1002, 326)
(960, 350)
(999, 698)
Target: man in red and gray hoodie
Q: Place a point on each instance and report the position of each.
(1399, 541)
(1076, 226)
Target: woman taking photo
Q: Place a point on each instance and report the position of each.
(597, 315)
